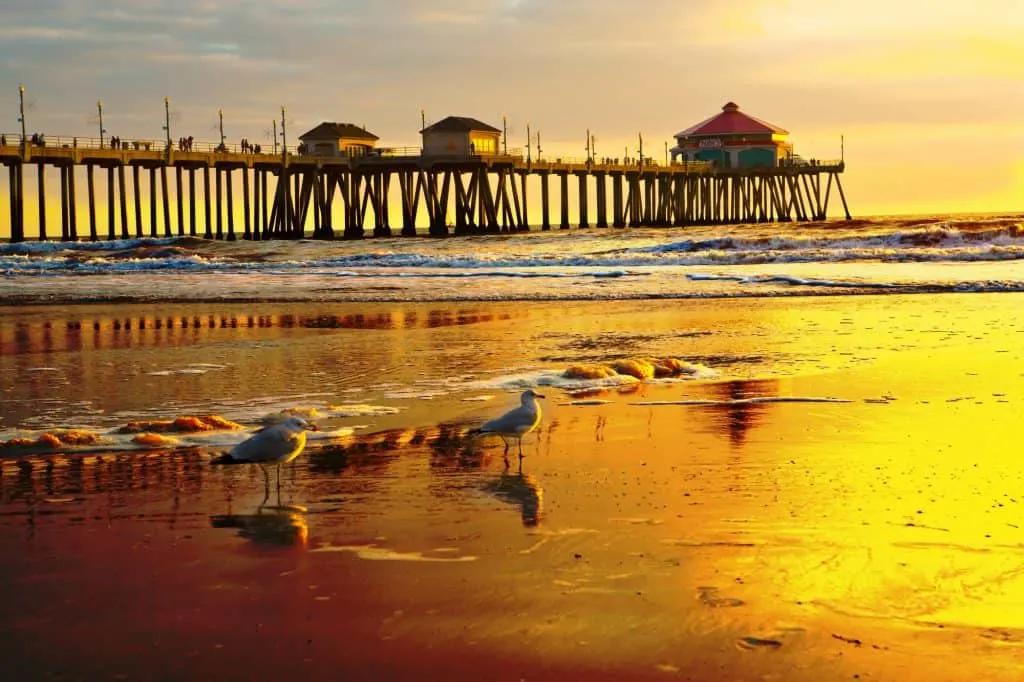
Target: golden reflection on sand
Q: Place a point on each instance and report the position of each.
(681, 529)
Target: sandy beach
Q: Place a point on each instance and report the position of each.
(840, 500)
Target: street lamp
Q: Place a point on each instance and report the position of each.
(167, 120)
(21, 118)
(220, 116)
(284, 135)
(99, 108)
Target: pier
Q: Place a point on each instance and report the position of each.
(394, 191)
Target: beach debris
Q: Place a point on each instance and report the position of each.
(283, 415)
(53, 440)
(154, 440)
(708, 596)
(187, 424)
(638, 368)
(758, 643)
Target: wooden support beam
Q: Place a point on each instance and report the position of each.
(264, 214)
(90, 184)
(219, 184)
(583, 212)
(231, 203)
(65, 228)
(524, 224)
(41, 168)
(207, 208)
(15, 178)
(111, 207)
(179, 198)
(842, 196)
(192, 202)
(167, 201)
(564, 180)
(602, 200)
(137, 202)
(72, 205)
(122, 187)
(545, 202)
(618, 215)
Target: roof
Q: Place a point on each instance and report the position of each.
(731, 121)
(460, 124)
(336, 131)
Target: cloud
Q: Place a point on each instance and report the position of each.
(817, 68)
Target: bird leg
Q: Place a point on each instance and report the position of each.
(266, 482)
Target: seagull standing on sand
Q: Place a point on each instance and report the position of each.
(280, 443)
(517, 422)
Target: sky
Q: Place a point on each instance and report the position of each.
(927, 97)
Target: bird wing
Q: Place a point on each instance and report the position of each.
(271, 444)
(517, 421)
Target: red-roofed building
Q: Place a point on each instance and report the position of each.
(733, 139)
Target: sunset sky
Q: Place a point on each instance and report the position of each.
(927, 95)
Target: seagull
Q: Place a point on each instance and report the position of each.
(517, 422)
(280, 443)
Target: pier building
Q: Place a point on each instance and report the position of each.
(460, 136)
(338, 139)
(734, 139)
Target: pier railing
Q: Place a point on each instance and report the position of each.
(517, 156)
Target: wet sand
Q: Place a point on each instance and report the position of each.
(676, 531)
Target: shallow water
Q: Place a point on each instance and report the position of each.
(933, 254)
(664, 530)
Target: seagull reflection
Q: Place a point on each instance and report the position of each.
(280, 526)
(521, 490)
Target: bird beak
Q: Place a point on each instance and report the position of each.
(313, 427)
(539, 395)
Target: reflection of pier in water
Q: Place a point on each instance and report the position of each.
(72, 333)
(741, 417)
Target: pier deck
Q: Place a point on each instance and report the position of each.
(293, 196)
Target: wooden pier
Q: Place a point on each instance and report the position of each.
(284, 196)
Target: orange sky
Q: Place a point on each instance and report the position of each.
(927, 95)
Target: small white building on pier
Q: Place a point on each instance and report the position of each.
(460, 136)
(337, 139)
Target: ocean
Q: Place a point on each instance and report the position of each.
(880, 255)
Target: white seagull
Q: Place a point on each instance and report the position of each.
(517, 422)
(280, 443)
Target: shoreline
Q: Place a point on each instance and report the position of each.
(694, 530)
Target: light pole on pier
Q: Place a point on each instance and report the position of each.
(538, 145)
(666, 153)
(99, 108)
(527, 143)
(641, 149)
(593, 146)
(21, 117)
(220, 118)
(587, 146)
(167, 121)
(504, 135)
(274, 122)
(284, 135)
(423, 119)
